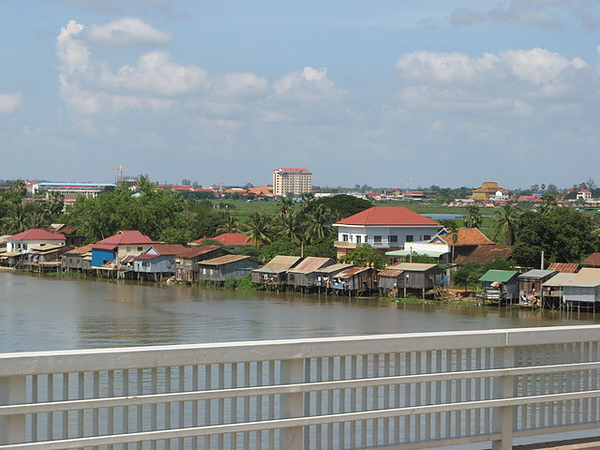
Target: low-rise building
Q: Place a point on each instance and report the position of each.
(384, 228)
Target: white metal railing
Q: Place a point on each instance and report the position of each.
(410, 391)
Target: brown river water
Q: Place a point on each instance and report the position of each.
(47, 313)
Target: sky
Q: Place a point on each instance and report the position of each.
(388, 93)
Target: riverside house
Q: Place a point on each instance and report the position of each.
(384, 228)
(114, 255)
(187, 262)
(274, 273)
(157, 262)
(225, 268)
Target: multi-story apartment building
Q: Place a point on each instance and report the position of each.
(291, 181)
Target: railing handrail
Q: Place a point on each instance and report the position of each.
(27, 363)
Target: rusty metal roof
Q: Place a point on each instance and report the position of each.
(311, 264)
(351, 271)
(413, 267)
(223, 260)
(390, 273)
(197, 251)
(334, 268)
(564, 267)
(281, 262)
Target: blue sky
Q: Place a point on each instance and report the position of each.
(384, 93)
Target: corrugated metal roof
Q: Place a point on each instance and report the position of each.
(537, 274)
(223, 260)
(80, 250)
(498, 275)
(282, 262)
(350, 272)
(334, 268)
(390, 273)
(311, 264)
(197, 251)
(558, 280)
(585, 277)
(413, 267)
(564, 267)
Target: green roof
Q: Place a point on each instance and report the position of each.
(498, 275)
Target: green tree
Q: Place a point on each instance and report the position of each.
(473, 218)
(259, 228)
(506, 220)
(364, 255)
(320, 220)
(342, 205)
(563, 234)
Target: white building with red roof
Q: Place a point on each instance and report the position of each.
(113, 250)
(33, 239)
(291, 180)
(383, 227)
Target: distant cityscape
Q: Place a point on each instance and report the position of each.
(298, 181)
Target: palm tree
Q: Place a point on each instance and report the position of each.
(230, 224)
(291, 228)
(307, 199)
(285, 206)
(473, 218)
(320, 221)
(506, 221)
(259, 229)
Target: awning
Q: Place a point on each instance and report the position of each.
(430, 253)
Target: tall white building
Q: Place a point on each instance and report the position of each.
(291, 181)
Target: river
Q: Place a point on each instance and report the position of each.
(47, 313)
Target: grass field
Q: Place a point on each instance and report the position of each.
(241, 210)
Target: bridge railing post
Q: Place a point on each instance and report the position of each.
(292, 404)
(504, 387)
(12, 427)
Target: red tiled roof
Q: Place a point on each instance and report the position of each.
(37, 234)
(485, 254)
(592, 260)
(170, 249)
(292, 169)
(564, 267)
(127, 237)
(387, 215)
(197, 251)
(228, 239)
(467, 236)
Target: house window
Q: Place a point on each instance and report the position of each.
(345, 237)
(140, 249)
(393, 238)
(427, 237)
(409, 238)
(359, 239)
(377, 239)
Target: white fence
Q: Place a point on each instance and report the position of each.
(405, 391)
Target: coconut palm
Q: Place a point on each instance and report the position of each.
(230, 224)
(291, 228)
(506, 221)
(320, 220)
(285, 206)
(259, 228)
(473, 218)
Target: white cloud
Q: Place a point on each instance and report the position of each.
(157, 82)
(513, 81)
(531, 13)
(127, 31)
(9, 102)
(307, 85)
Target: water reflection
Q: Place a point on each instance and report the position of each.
(39, 313)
